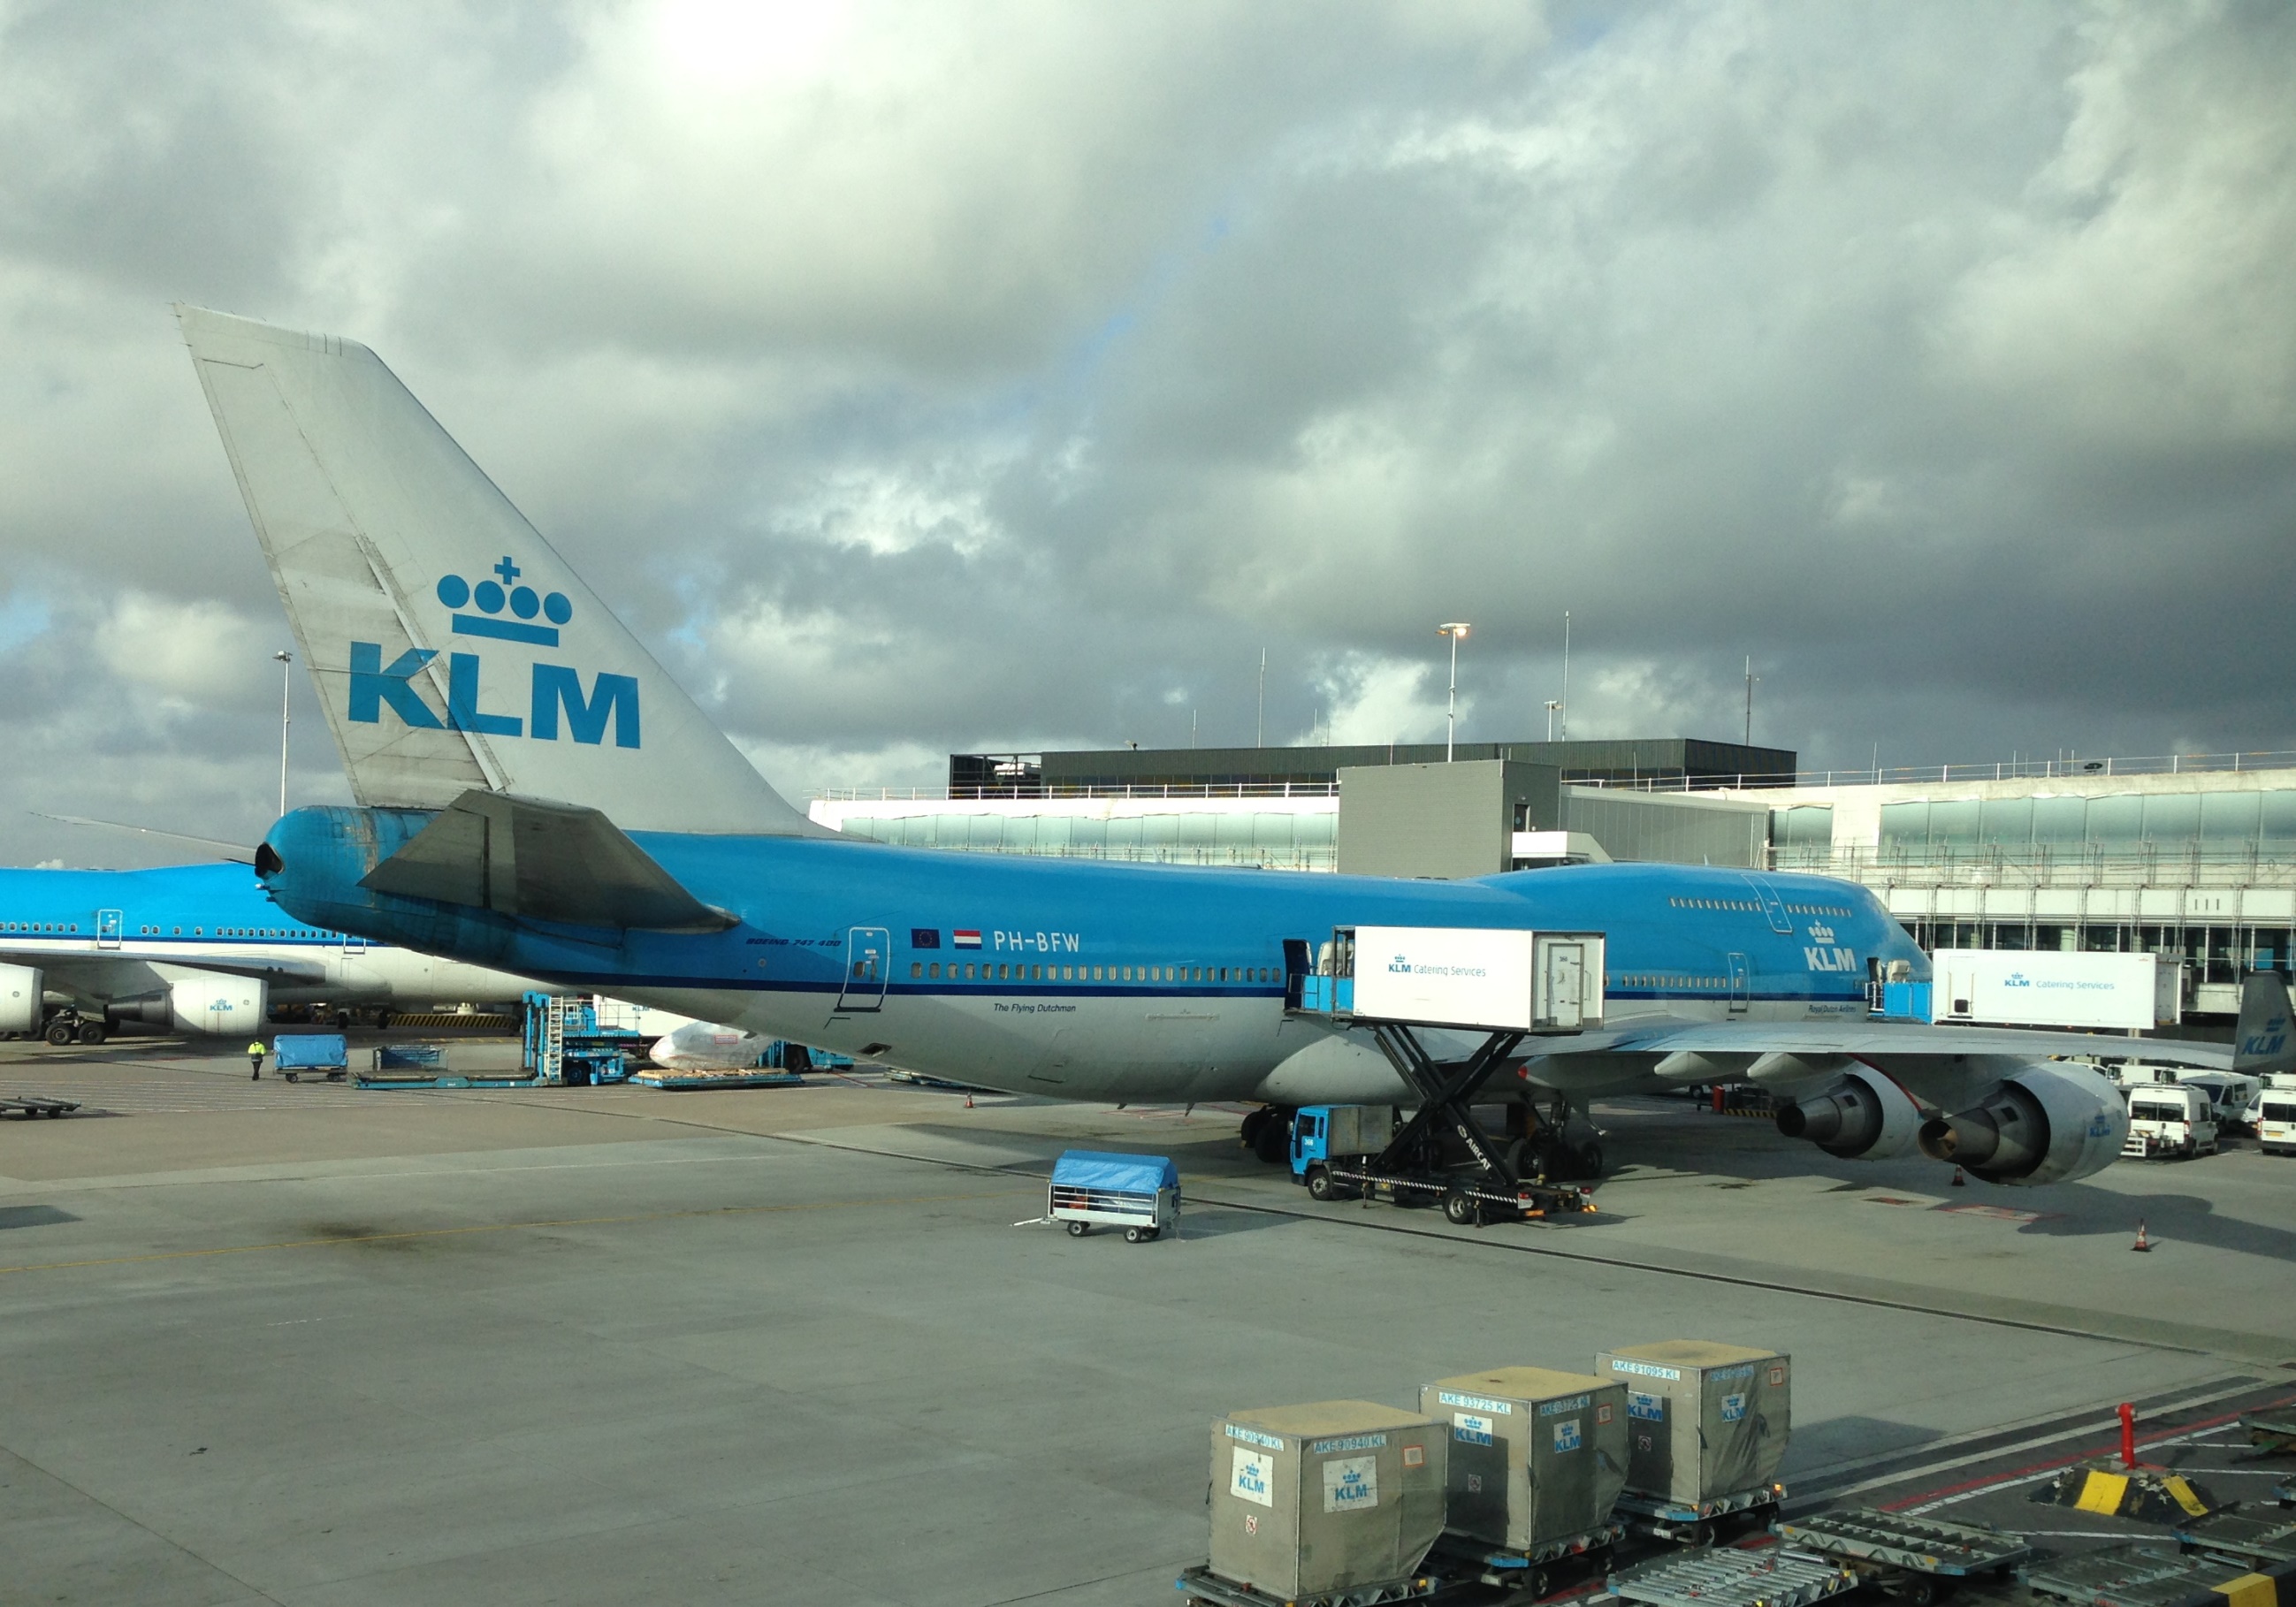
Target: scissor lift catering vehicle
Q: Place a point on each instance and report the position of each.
(1507, 985)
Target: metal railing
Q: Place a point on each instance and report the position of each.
(989, 791)
(2022, 769)
(2254, 866)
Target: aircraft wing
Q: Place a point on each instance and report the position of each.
(1868, 1040)
(100, 976)
(529, 858)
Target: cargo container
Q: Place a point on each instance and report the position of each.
(2049, 988)
(1467, 977)
(1537, 1456)
(1706, 1423)
(1337, 1494)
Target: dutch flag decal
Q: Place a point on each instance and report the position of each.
(967, 939)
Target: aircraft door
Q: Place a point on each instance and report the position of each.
(1738, 985)
(1773, 907)
(353, 944)
(868, 963)
(107, 929)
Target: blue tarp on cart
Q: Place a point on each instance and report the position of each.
(1130, 1174)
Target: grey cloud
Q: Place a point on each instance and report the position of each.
(992, 377)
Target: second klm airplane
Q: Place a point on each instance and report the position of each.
(536, 794)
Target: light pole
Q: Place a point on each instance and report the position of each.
(1566, 674)
(1552, 705)
(286, 681)
(1457, 631)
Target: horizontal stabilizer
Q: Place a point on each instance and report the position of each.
(536, 860)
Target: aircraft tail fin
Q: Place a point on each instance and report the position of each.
(453, 648)
(2263, 1042)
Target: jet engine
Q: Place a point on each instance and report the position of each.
(2050, 1123)
(203, 1003)
(1863, 1117)
(20, 1008)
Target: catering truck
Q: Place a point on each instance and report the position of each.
(2049, 988)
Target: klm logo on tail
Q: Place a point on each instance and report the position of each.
(557, 688)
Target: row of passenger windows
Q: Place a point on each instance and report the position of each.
(1714, 904)
(1651, 979)
(67, 928)
(1839, 911)
(1008, 971)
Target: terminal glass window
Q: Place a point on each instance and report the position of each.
(2277, 817)
(2059, 824)
(1805, 830)
(1905, 828)
(2172, 819)
(1953, 824)
(2229, 822)
(2115, 824)
(2006, 823)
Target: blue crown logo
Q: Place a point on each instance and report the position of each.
(492, 596)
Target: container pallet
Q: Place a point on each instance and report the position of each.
(1917, 1560)
(1535, 1573)
(657, 1077)
(1773, 1577)
(1686, 1520)
(444, 1079)
(2253, 1540)
(30, 1105)
(2272, 1431)
(1200, 1584)
(2134, 1575)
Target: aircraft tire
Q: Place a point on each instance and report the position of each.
(1253, 1121)
(382, 1020)
(90, 1032)
(59, 1033)
(1272, 1140)
(1589, 1160)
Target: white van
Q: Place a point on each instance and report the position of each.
(2169, 1119)
(2275, 1121)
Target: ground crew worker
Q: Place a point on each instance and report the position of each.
(255, 1060)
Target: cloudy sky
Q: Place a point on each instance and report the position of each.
(1006, 376)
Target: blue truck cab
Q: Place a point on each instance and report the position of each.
(1324, 1134)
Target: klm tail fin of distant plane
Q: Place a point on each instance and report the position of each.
(453, 648)
(2262, 1041)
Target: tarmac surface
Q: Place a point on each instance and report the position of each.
(312, 1344)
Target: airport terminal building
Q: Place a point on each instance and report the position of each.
(2192, 857)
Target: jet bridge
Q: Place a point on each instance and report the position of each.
(1506, 985)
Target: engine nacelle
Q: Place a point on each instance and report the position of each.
(206, 1002)
(1863, 1117)
(21, 1007)
(2050, 1123)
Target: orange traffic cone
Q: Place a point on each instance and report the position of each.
(968, 1102)
(1958, 1180)
(2142, 1241)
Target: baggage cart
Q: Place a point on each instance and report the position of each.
(30, 1105)
(1917, 1560)
(322, 1054)
(1139, 1194)
(1773, 1577)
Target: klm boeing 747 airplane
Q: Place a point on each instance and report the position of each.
(192, 949)
(536, 794)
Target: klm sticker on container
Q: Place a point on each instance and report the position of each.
(1566, 1434)
(1471, 1428)
(1733, 1408)
(555, 701)
(1350, 1484)
(1648, 1408)
(1253, 1478)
